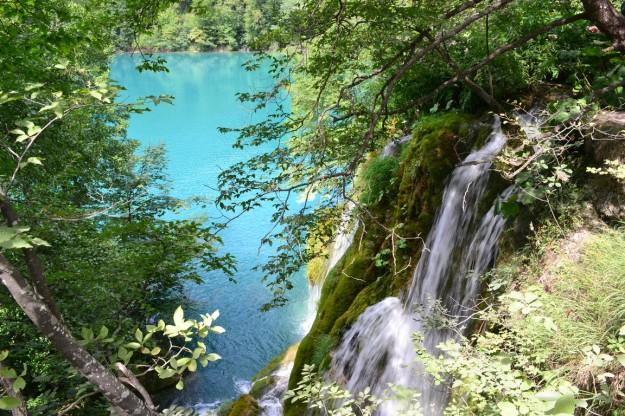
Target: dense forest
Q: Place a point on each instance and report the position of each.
(457, 172)
(205, 25)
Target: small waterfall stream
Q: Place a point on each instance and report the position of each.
(378, 350)
(271, 401)
(344, 237)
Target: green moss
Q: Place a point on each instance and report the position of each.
(370, 295)
(379, 180)
(260, 386)
(225, 408)
(287, 356)
(246, 405)
(323, 345)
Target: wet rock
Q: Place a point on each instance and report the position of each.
(606, 141)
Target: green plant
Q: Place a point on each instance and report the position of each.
(379, 180)
(11, 384)
(170, 350)
(329, 399)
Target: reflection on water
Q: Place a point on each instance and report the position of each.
(205, 86)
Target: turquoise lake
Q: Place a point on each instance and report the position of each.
(205, 87)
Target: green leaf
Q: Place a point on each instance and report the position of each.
(133, 345)
(550, 325)
(180, 385)
(96, 95)
(507, 409)
(62, 64)
(104, 331)
(9, 403)
(7, 372)
(180, 362)
(33, 86)
(10, 238)
(548, 396)
(122, 352)
(19, 384)
(192, 365)
(213, 357)
(179, 316)
(166, 373)
(31, 161)
(48, 107)
(218, 330)
(40, 242)
(86, 333)
(139, 335)
(3, 355)
(565, 405)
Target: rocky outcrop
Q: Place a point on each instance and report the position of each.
(605, 141)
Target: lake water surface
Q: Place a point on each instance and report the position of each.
(204, 86)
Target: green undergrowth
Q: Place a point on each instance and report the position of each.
(577, 285)
(403, 193)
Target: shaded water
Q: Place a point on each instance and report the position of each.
(205, 86)
(378, 350)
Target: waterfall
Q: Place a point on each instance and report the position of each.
(344, 237)
(378, 350)
(271, 401)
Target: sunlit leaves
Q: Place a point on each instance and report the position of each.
(9, 403)
(17, 383)
(313, 391)
(18, 238)
(152, 347)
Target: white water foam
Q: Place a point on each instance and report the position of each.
(344, 238)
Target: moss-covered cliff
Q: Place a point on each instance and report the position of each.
(401, 194)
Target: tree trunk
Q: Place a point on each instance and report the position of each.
(120, 396)
(603, 14)
(35, 269)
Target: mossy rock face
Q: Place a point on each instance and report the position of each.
(246, 405)
(261, 386)
(263, 381)
(225, 408)
(372, 269)
(286, 357)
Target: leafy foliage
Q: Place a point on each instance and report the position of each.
(329, 398)
(13, 383)
(83, 207)
(170, 350)
(202, 25)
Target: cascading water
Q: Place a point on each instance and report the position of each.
(343, 240)
(271, 401)
(378, 349)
